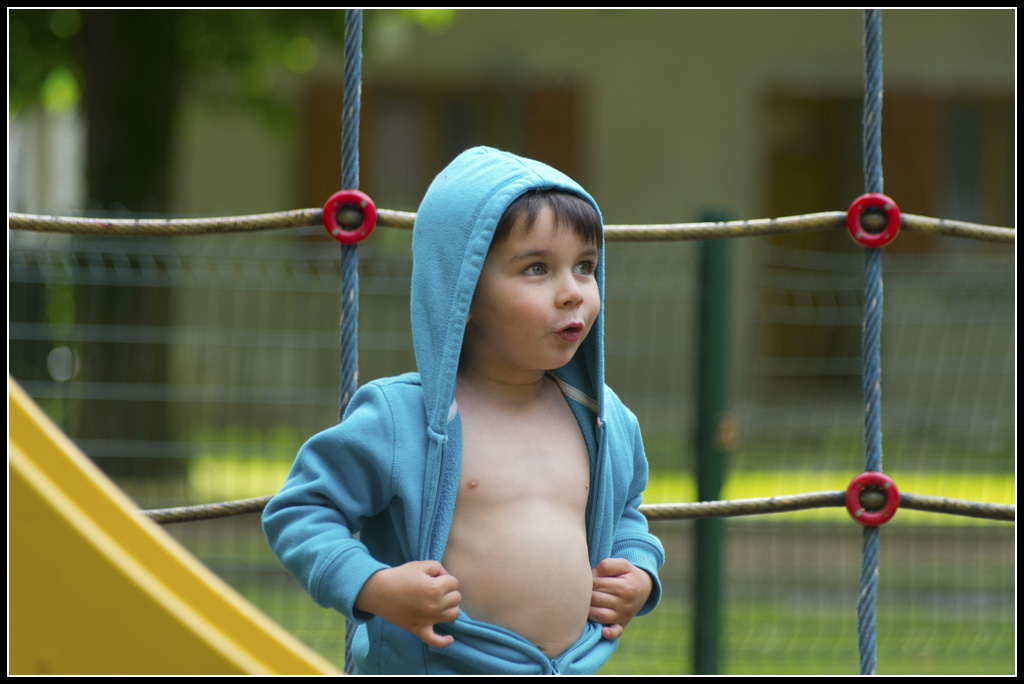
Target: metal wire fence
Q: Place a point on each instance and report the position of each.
(192, 369)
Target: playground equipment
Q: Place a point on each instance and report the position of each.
(98, 589)
(870, 236)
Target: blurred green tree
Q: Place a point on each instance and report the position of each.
(128, 69)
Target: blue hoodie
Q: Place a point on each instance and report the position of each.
(389, 471)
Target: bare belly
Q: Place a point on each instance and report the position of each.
(523, 566)
(518, 539)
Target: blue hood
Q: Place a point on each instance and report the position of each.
(454, 227)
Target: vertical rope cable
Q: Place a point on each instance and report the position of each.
(349, 257)
(350, 181)
(870, 343)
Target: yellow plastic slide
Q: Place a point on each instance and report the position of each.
(94, 587)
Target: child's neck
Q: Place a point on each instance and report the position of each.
(515, 389)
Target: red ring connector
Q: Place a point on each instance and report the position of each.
(876, 517)
(362, 208)
(873, 237)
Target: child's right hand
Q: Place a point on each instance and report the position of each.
(413, 596)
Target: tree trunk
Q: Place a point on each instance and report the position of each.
(132, 84)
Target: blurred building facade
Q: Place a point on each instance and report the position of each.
(193, 368)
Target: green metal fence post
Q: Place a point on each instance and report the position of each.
(712, 391)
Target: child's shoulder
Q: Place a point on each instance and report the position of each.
(405, 381)
(396, 394)
(379, 412)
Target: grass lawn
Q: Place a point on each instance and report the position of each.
(946, 598)
(945, 602)
(765, 638)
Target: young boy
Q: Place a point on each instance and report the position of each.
(495, 492)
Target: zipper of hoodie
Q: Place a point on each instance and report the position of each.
(429, 519)
(596, 473)
(439, 444)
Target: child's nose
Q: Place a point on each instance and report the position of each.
(570, 294)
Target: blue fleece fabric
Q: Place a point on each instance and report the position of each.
(390, 470)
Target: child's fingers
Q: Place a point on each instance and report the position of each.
(436, 572)
(612, 567)
(428, 636)
(605, 599)
(445, 592)
(628, 589)
(444, 588)
(612, 632)
(602, 615)
(434, 569)
(449, 610)
(612, 586)
(612, 591)
(608, 608)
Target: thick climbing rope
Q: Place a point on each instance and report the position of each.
(210, 511)
(829, 499)
(164, 227)
(350, 181)
(832, 220)
(672, 511)
(870, 350)
(349, 257)
(300, 218)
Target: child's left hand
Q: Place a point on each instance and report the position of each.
(620, 590)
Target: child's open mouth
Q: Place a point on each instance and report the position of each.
(572, 332)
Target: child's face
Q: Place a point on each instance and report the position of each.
(535, 302)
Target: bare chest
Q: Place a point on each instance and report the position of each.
(514, 460)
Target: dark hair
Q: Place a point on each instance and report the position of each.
(569, 209)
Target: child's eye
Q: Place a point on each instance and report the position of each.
(535, 269)
(586, 267)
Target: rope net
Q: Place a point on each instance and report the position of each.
(240, 393)
(225, 380)
(614, 233)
